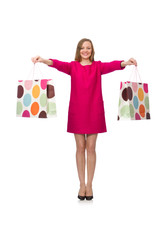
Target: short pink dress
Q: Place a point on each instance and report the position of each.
(86, 114)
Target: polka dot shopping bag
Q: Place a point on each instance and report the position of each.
(36, 98)
(133, 99)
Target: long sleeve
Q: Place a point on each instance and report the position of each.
(107, 67)
(64, 67)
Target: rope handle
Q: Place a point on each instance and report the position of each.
(135, 71)
(33, 72)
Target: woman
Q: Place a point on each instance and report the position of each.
(86, 115)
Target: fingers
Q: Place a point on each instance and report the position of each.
(32, 59)
(36, 59)
(132, 61)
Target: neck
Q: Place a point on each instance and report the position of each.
(85, 61)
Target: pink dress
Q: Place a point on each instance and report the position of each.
(86, 114)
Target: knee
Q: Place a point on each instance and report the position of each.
(81, 147)
(90, 148)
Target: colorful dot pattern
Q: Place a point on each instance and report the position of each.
(36, 98)
(133, 101)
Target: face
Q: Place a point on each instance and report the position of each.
(86, 50)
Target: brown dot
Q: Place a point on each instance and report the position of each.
(125, 94)
(118, 118)
(147, 115)
(50, 91)
(20, 91)
(130, 93)
(42, 114)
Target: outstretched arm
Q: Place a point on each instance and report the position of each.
(41, 60)
(59, 65)
(64, 67)
(107, 67)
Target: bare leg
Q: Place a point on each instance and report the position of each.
(80, 161)
(91, 161)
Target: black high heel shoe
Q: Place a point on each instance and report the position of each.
(81, 197)
(89, 197)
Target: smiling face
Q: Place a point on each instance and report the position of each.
(86, 50)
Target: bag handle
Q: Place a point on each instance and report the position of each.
(33, 71)
(135, 71)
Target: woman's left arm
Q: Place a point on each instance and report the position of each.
(107, 67)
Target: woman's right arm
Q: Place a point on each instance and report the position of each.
(64, 67)
(42, 60)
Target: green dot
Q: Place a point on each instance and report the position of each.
(125, 112)
(51, 108)
(147, 102)
(131, 111)
(119, 102)
(43, 100)
(19, 108)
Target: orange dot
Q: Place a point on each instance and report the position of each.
(142, 110)
(34, 108)
(36, 91)
(141, 94)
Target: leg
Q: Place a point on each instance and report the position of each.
(80, 160)
(91, 161)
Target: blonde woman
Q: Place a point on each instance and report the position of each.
(86, 115)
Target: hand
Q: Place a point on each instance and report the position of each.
(131, 61)
(37, 59)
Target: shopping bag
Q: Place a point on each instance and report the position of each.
(133, 99)
(36, 98)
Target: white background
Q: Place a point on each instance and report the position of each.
(38, 175)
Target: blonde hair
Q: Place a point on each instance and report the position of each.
(79, 46)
